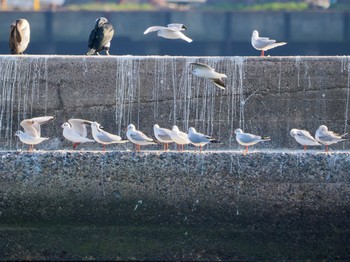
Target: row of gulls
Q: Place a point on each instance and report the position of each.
(103, 31)
(75, 130)
(323, 136)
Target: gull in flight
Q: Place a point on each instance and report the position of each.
(304, 138)
(264, 43)
(205, 71)
(198, 139)
(172, 31)
(163, 135)
(32, 131)
(247, 139)
(104, 137)
(326, 137)
(179, 137)
(138, 138)
(75, 131)
(100, 37)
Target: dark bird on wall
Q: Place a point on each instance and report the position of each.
(19, 36)
(100, 37)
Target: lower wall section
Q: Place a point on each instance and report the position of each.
(58, 205)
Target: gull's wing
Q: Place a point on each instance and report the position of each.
(202, 66)
(305, 134)
(153, 29)
(32, 126)
(248, 138)
(163, 133)
(219, 83)
(263, 42)
(176, 27)
(79, 126)
(139, 136)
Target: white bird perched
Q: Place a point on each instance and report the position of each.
(179, 137)
(104, 137)
(75, 131)
(264, 43)
(32, 131)
(172, 31)
(19, 36)
(138, 138)
(247, 139)
(304, 138)
(205, 71)
(198, 139)
(326, 137)
(163, 135)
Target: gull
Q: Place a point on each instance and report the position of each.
(198, 139)
(75, 131)
(179, 137)
(304, 138)
(205, 71)
(32, 131)
(326, 137)
(19, 36)
(247, 139)
(163, 135)
(100, 37)
(172, 31)
(264, 43)
(104, 137)
(138, 138)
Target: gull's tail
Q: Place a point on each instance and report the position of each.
(265, 138)
(275, 45)
(187, 39)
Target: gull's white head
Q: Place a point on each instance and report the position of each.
(175, 128)
(156, 126)
(323, 128)
(18, 133)
(293, 132)
(238, 131)
(131, 127)
(65, 125)
(255, 34)
(192, 130)
(95, 125)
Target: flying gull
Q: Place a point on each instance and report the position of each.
(172, 31)
(205, 71)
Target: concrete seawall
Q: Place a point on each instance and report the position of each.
(267, 96)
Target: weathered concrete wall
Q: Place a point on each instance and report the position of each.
(227, 188)
(267, 96)
(214, 33)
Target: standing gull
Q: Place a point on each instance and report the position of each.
(32, 131)
(163, 135)
(205, 71)
(104, 137)
(326, 137)
(138, 138)
(100, 37)
(75, 131)
(172, 31)
(264, 43)
(19, 36)
(247, 139)
(198, 139)
(304, 138)
(179, 137)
